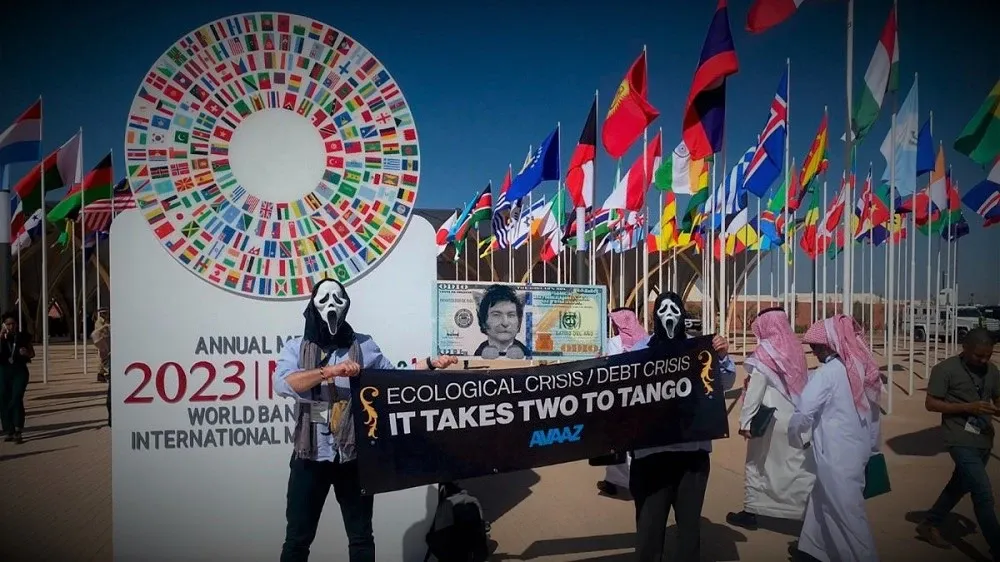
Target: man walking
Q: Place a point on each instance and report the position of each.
(965, 390)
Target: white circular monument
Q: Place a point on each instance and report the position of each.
(270, 151)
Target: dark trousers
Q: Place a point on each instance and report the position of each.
(308, 485)
(13, 383)
(970, 477)
(659, 482)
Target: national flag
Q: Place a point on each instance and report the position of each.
(97, 216)
(580, 176)
(705, 109)
(815, 161)
(522, 229)
(810, 228)
(630, 193)
(666, 237)
(630, 111)
(441, 237)
(23, 228)
(501, 212)
(96, 185)
(984, 197)
(766, 163)
(938, 188)
(542, 165)
(59, 169)
(831, 228)
(904, 147)
(980, 139)
(679, 174)
(765, 14)
(552, 247)
(483, 207)
(553, 216)
(22, 140)
(730, 197)
(925, 150)
(882, 76)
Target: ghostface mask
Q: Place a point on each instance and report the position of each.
(332, 303)
(669, 312)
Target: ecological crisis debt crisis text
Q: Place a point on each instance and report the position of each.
(426, 405)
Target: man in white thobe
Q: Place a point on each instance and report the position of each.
(840, 405)
(778, 479)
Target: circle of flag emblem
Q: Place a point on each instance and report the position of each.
(275, 241)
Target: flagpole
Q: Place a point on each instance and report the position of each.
(20, 297)
(45, 277)
(848, 152)
(890, 357)
(581, 212)
(83, 286)
(76, 317)
(757, 268)
(927, 308)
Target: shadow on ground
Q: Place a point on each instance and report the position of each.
(80, 394)
(718, 543)
(501, 493)
(954, 529)
(13, 456)
(924, 443)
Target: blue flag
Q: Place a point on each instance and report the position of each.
(542, 166)
(765, 166)
(925, 150)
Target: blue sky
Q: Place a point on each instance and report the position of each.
(487, 79)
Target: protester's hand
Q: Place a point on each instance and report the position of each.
(720, 345)
(443, 362)
(345, 369)
(23, 351)
(981, 408)
(745, 433)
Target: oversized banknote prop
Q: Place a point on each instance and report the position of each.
(420, 427)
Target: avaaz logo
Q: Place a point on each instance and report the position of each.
(556, 435)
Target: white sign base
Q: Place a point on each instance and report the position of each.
(200, 451)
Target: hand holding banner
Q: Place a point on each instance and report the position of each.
(423, 427)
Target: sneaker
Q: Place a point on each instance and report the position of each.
(607, 488)
(9, 437)
(932, 535)
(18, 438)
(742, 519)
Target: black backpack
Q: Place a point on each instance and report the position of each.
(458, 533)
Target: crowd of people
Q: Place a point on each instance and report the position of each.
(813, 436)
(813, 440)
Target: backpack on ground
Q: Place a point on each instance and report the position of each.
(458, 533)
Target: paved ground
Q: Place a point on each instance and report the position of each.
(55, 490)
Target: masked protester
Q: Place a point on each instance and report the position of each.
(840, 404)
(674, 476)
(314, 370)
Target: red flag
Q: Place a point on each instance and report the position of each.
(705, 110)
(765, 14)
(580, 176)
(630, 111)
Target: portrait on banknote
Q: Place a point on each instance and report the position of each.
(520, 321)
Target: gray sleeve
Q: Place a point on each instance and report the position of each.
(937, 386)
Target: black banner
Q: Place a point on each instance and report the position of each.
(424, 427)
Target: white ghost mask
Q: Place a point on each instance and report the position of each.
(332, 302)
(670, 316)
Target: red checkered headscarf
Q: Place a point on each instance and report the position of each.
(779, 354)
(844, 335)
